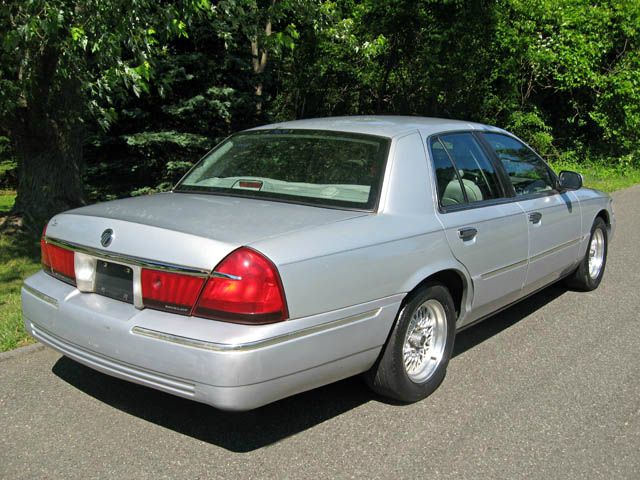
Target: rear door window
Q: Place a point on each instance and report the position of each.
(464, 173)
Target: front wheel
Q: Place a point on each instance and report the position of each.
(414, 361)
(589, 273)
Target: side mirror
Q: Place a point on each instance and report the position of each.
(570, 180)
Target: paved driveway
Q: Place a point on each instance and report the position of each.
(547, 389)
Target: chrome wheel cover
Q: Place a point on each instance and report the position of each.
(596, 253)
(425, 341)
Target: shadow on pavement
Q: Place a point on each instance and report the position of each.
(486, 329)
(247, 431)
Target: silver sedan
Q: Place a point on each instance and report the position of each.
(300, 253)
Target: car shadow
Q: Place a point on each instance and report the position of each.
(486, 329)
(247, 431)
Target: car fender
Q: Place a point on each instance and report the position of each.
(442, 265)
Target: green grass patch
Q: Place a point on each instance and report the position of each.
(18, 259)
(6, 201)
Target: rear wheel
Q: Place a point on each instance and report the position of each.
(414, 360)
(589, 273)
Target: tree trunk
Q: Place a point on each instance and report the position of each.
(49, 167)
(47, 136)
(259, 58)
(49, 174)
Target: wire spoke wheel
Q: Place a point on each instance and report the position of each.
(425, 341)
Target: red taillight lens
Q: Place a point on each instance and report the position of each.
(253, 292)
(61, 262)
(172, 292)
(57, 261)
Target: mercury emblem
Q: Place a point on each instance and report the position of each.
(107, 237)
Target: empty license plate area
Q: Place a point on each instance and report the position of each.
(114, 280)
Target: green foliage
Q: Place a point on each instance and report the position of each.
(8, 165)
(6, 201)
(161, 84)
(576, 62)
(93, 48)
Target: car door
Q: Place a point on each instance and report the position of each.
(553, 217)
(486, 232)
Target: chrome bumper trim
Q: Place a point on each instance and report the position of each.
(42, 296)
(249, 346)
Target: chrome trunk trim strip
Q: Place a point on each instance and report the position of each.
(245, 347)
(128, 259)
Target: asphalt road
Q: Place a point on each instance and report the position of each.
(547, 389)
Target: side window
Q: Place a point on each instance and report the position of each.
(527, 172)
(450, 190)
(474, 169)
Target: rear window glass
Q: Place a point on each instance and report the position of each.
(309, 166)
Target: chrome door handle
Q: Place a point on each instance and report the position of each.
(535, 217)
(467, 233)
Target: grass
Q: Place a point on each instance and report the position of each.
(19, 257)
(6, 200)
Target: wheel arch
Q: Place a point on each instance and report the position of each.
(604, 215)
(454, 278)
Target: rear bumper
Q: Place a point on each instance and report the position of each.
(229, 366)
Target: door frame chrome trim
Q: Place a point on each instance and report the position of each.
(257, 344)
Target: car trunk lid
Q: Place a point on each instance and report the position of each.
(185, 229)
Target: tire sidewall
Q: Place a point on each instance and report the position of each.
(409, 389)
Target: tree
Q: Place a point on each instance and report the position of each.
(62, 65)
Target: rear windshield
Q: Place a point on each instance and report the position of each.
(323, 168)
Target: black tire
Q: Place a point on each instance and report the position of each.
(581, 279)
(388, 377)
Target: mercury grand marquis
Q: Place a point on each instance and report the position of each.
(301, 253)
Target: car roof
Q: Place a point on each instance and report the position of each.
(381, 125)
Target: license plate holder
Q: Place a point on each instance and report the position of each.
(114, 280)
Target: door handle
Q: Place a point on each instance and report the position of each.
(535, 217)
(467, 233)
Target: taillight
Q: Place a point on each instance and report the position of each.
(247, 289)
(173, 292)
(57, 261)
(60, 262)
